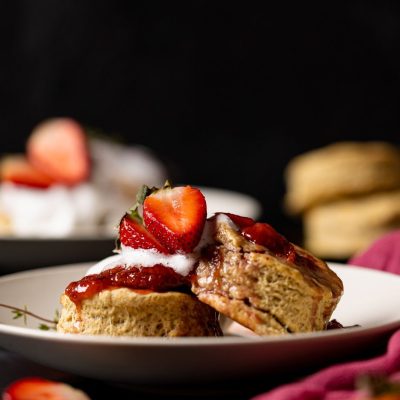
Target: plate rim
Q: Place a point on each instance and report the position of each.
(255, 202)
(37, 334)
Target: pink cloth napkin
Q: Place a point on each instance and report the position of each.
(337, 382)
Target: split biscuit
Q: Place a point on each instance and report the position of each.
(263, 292)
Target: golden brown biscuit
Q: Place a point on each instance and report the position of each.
(339, 229)
(263, 292)
(124, 312)
(341, 170)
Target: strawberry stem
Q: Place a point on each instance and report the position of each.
(141, 195)
(134, 214)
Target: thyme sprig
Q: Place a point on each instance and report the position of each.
(25, 313)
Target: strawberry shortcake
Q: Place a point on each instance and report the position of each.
(71, 181)
(175, 270)
(144, 290)
(45, 192)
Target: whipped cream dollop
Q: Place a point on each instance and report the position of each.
(182, 264)
(56, 211)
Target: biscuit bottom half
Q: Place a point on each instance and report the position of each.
(125, 312)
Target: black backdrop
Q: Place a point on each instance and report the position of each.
(225, 94)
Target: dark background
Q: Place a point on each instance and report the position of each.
(225, 94)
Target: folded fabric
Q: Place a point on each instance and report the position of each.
(338, 382)
(383, 254)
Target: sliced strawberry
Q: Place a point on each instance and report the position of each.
(17, 169)
(133, 234)
(265, 235)
(176, 217)
(58, 148)
(41, 389)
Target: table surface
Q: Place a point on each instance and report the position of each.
(14, 367)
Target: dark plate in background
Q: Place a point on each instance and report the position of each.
(18, 254)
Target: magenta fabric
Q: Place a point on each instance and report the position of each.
(384, 254)
(337, 382)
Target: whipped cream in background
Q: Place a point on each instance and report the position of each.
(54, 212)
(118, 171)
(90, 208)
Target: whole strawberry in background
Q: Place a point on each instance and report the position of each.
(56, 153)
(41, 389)
(46, 192)
(71, 180)
(58, 148)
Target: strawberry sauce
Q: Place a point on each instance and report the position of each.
(160, 278)
(264, 235)
(144, 280)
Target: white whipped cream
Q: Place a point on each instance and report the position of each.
(56, 211)
(181, 263)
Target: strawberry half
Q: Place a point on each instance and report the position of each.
(176, 217)
(17, 169)
(133, 234)
(41, 389)
(58, 148)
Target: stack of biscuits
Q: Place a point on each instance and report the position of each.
(347, 193)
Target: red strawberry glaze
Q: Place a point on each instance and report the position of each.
(160, 278)
(241, 222)
(264, 235)
(144, 280)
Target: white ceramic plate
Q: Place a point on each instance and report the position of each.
(371, 300)
(221, 200)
